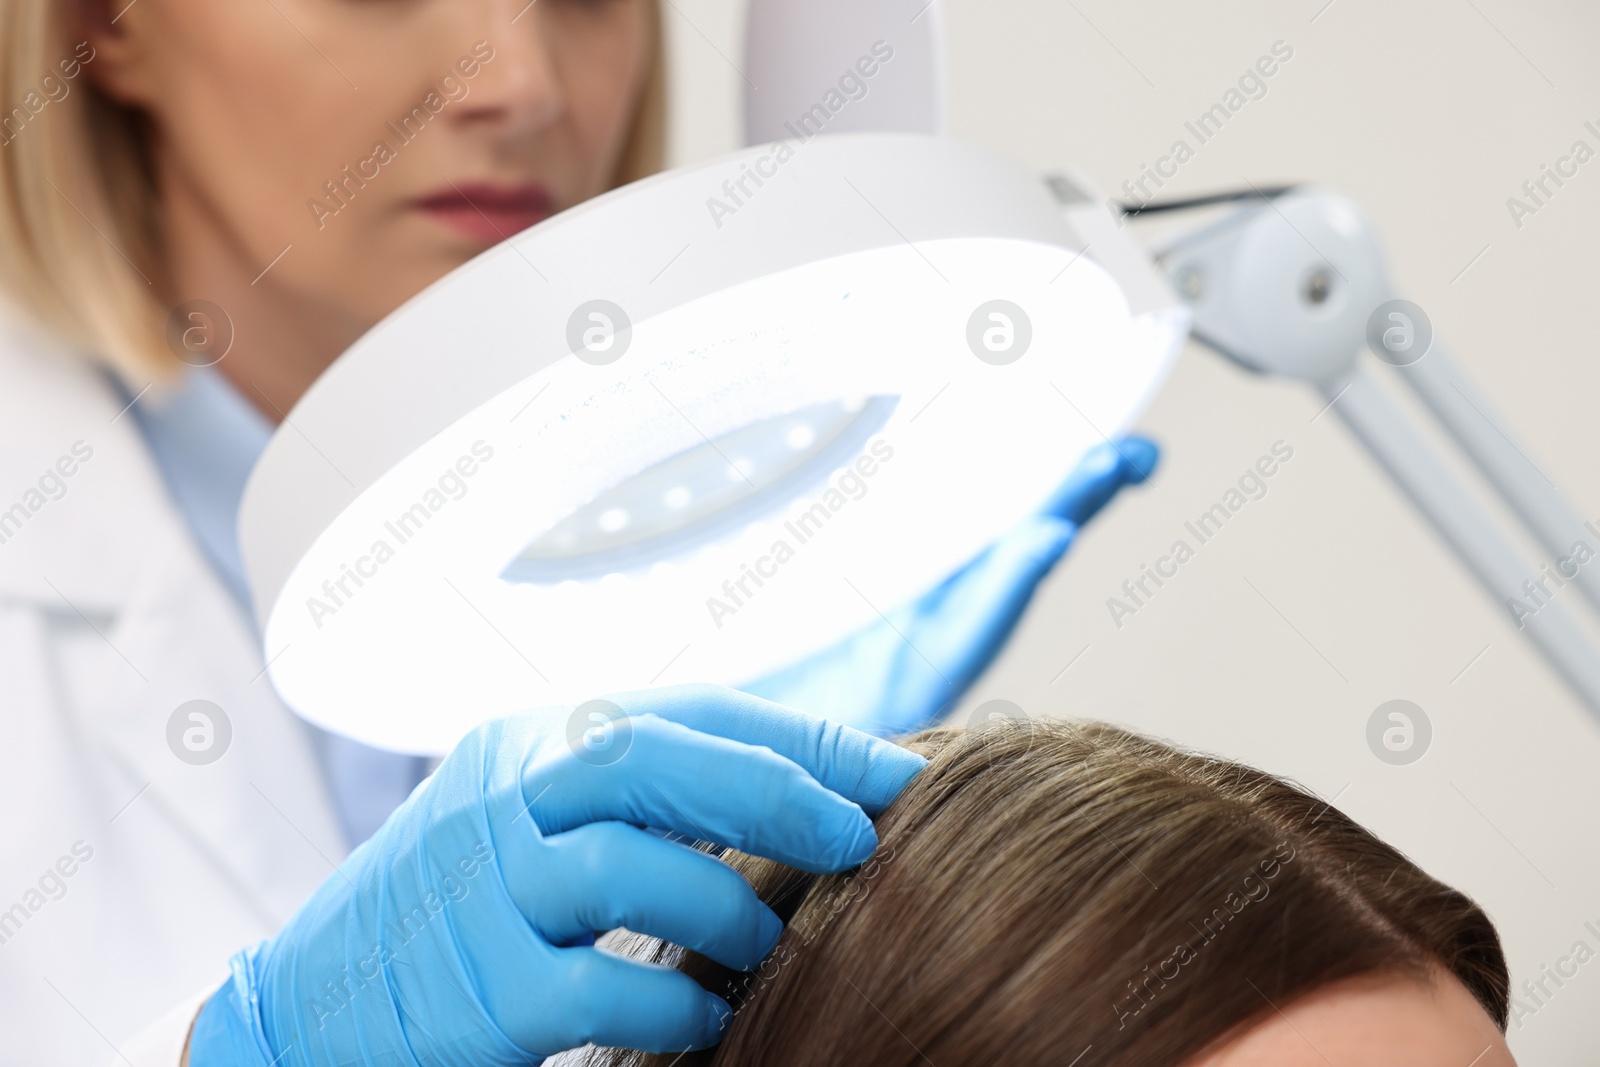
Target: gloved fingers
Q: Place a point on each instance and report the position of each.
(597, 997)
(981, 610)
(1098, 477)
(862, 768)
(608, 874)
(849, 682)
(704, 787)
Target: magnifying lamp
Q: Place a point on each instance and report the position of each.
(708, 424)
(695, 429)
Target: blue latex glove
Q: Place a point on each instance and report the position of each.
(899, 675)
(462, 932)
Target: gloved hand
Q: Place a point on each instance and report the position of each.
(901, 674)
(462, 932)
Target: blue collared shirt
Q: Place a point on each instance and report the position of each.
(206, 439)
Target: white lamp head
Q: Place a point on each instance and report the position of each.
(692, 430)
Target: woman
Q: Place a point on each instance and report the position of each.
(201, 206)
(1054, 893)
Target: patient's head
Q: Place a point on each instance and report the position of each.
(1073, 894)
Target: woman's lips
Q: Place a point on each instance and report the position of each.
(488, 213)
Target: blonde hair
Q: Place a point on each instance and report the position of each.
(80, 246)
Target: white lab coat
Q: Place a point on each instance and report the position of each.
(110, 618)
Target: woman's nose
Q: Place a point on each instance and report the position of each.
(519, 89)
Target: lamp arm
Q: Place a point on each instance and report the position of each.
(832, 66)
(1466, 413)
(1292, 285)
(1422, 476)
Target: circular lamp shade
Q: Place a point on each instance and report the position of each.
(693, 430)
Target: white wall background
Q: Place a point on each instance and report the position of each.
(1430, 113)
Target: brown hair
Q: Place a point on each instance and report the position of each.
(1055, 893)
(80, 250)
